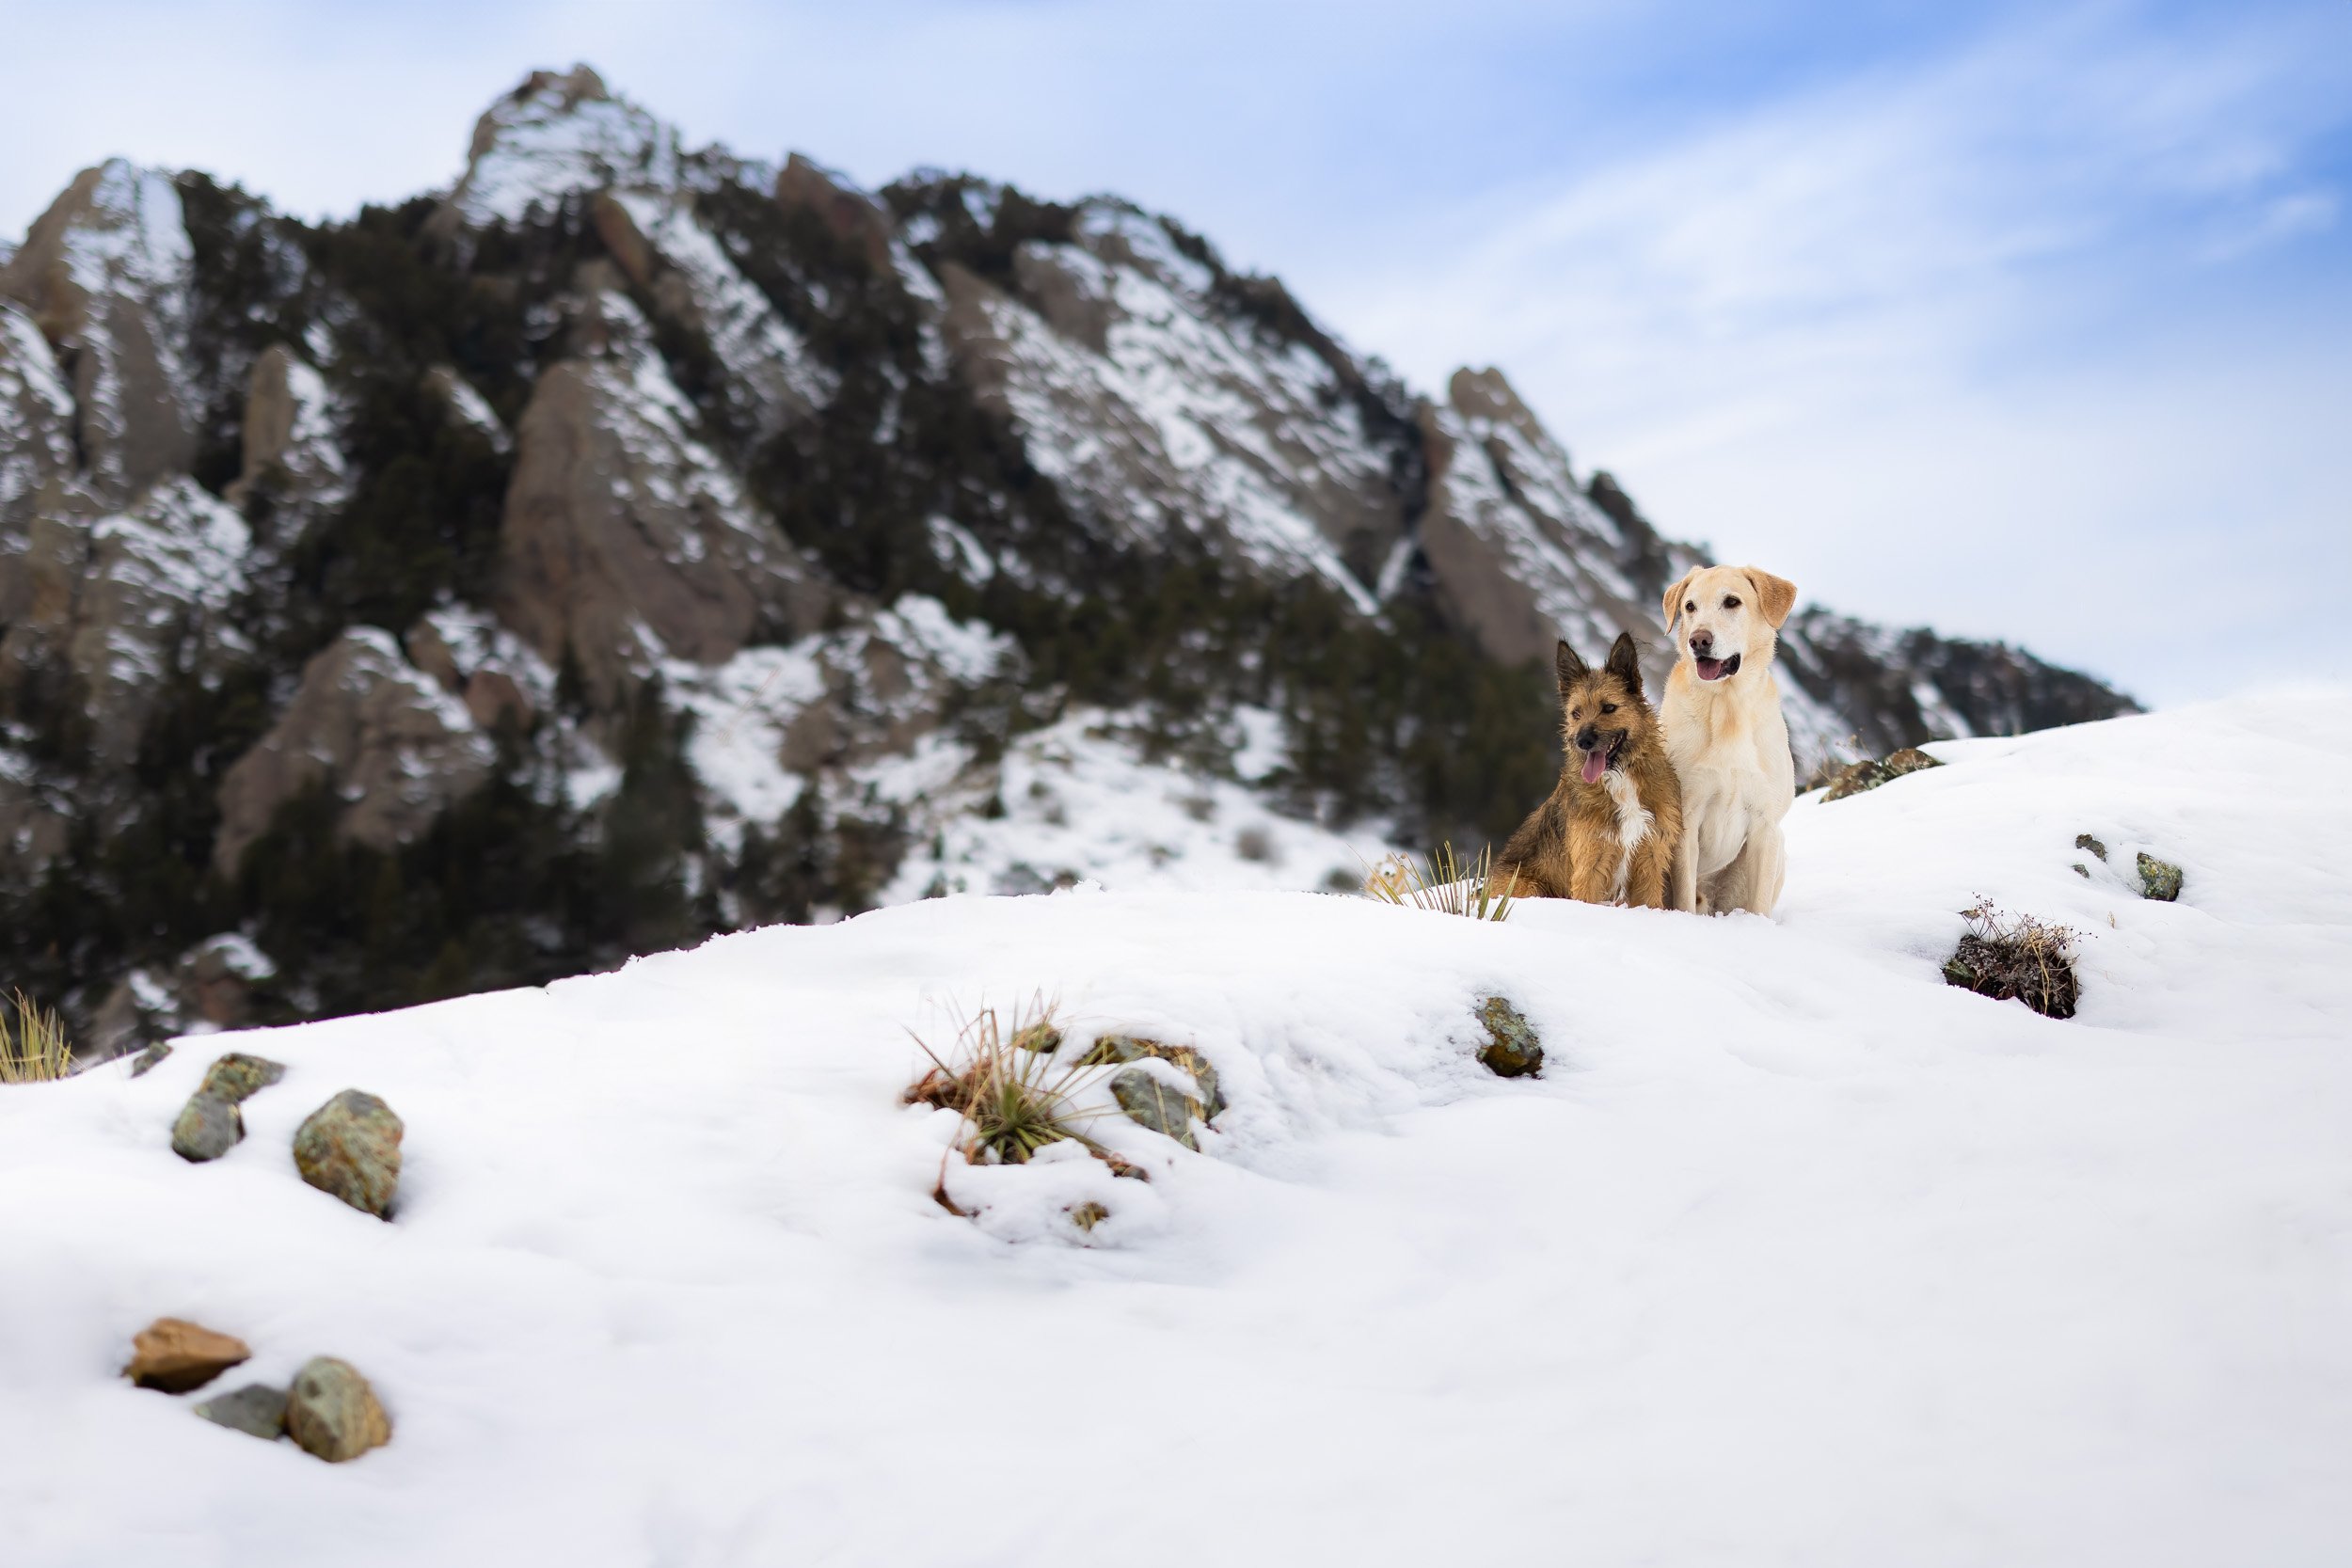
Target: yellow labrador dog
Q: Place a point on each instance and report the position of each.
(1728, 742)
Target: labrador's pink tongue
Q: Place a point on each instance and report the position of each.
(1595, 764)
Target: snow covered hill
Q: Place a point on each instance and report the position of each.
(1791, 1254)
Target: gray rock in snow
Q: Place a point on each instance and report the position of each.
(1149, 1103)
(333, 1412)
(256, 1409)
(208, 1127)
(350, 1148)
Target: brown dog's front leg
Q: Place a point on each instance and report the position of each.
(1650, 883)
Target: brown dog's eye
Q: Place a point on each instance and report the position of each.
(1730, 602)
(1576, 713)
(1608, 708)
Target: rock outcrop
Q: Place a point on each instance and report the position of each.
(1871, 772)
(394, 747)
(1519, 555)
(103, 273)
(627, 541)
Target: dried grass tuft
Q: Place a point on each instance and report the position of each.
(1007, 1085)
(1442, 882)
(37, 1050)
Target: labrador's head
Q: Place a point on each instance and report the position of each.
(1730, 617)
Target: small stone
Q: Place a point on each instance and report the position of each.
(1120, 1166)
(350, 1148)
(208, 1127)
(1152, 1104)
(256, 1409)
(2158, 880)
(2084, 841)
(2083, 871)
(1086, 1216)
(149, 1059)
(1112, 1049)
(1041, 1035)
(238, 1077)
(333, 1413)
(1512, 1048)
(175, 1355)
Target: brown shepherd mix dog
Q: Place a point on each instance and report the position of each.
(1609, 831)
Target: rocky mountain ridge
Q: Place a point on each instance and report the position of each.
(634, 541)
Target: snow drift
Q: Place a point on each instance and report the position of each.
(1792, 1254)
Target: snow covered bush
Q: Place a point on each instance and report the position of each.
(36, 1050)
(2007, 956)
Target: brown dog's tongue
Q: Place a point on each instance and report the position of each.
(1595, 764)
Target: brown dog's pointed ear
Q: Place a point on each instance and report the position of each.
(1776, 596)
(1673, 596)
(1571, 669)
(1625, 662)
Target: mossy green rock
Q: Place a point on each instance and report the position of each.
(257, 1410)
(210, 1124)
(1149, 1103)
(1872, 772)
(150, 1059)
(333, 1413)
(208, 1127)
(350, 1147)
(238, 1077)
(1112, 1049)
(1512, 1048)
(2158, 880)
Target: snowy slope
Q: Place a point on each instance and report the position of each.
(1792, 1256)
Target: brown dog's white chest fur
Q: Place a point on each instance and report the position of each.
(1634, 822)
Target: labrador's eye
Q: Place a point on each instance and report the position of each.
(1730, 603)
(1691, 608)
(1608, 708)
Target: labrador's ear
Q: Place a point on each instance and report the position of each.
(1625, 662)
(1570, 668)
(1776, 596)
(1673, 603)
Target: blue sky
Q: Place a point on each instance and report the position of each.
(2023, 320)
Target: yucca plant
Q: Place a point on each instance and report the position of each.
(1444, 882)
(1014, 1099)
(36, 1050)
